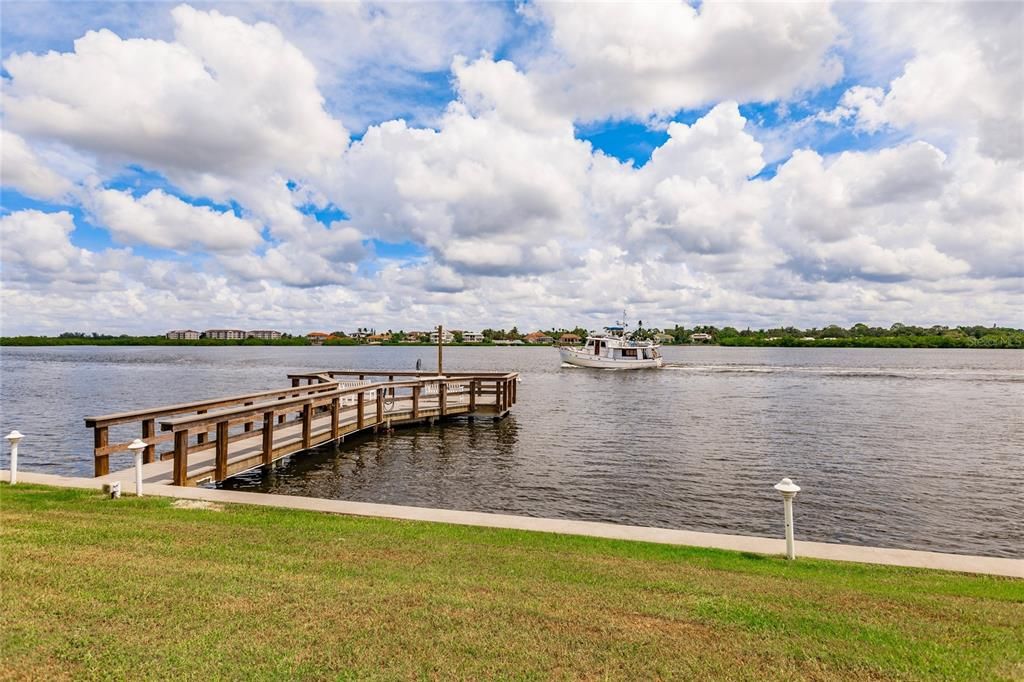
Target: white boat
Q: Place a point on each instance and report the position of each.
(613, 350)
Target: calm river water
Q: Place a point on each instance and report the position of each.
(906, 448)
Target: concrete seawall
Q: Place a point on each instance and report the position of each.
(740, 543)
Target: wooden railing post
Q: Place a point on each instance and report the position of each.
(415, 402)
(268, 438)
(335, 418)
(442, 392)
(380, 405)
(472, 395)
(280, 417)
(248, 423)
(148, 431)
(181, 457)
(221, 459)
(515, 384)
(360, 408)
(100, 439)
(307, 424)
(295, 381)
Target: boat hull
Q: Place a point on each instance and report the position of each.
(581, 358)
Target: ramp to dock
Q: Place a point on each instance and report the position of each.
(218, 438)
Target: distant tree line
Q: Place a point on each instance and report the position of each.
(858, 336)
(94, 339)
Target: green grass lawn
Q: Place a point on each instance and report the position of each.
(132, 588)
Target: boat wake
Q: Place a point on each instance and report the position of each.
(924, 374)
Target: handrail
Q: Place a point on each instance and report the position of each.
(124, 417)
(386, 373)
(192, 421)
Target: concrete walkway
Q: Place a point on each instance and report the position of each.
(740, 543)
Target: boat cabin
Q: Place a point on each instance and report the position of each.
(618, 349)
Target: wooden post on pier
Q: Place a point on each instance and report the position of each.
(248, 423)
(221, 458)
(307, 424)
(415, 402)
(440, 349)
(335, 418)
(380, 406)
(148, 432)
(180, 457)
(268, 439)
(472, 395)
(360, 408)
(442, 393)
(100, 440)
(201, 438)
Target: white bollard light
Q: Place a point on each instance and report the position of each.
(14, 437)
(137, 447)
(789, 491)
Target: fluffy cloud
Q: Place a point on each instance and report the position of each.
(652, 59)
(23, 170)
(322, 256)
(161, 220)
(965, 76)
(497, 189)
(38, 253)
(225, 98)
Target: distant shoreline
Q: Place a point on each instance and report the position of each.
(733, 342)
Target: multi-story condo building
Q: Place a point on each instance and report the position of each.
(225, 334)
(472, 337)
(183, 334)
(267, 334)
(448, 337)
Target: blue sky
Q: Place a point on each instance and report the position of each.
(415, 159)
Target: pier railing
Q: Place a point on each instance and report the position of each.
(256, 429)
(144, 422)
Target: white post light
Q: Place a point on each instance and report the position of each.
(789, 491)
(137, 447)
(14, 437)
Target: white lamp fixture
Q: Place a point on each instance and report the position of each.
(14, 437)
(137, 447)
(789, 491)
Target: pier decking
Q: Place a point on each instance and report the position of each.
(218, 438)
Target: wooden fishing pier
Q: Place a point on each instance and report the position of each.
(212, 440)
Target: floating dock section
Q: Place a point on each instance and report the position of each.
(212, 440)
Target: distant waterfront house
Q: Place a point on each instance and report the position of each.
(569, 339)
(378, 338)
(183, 335)
(266, 334)
(225, 334)
(700, 338)
(472, 337)
(661, 337)
(538, 337)
(317, 338)
(448, 336)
